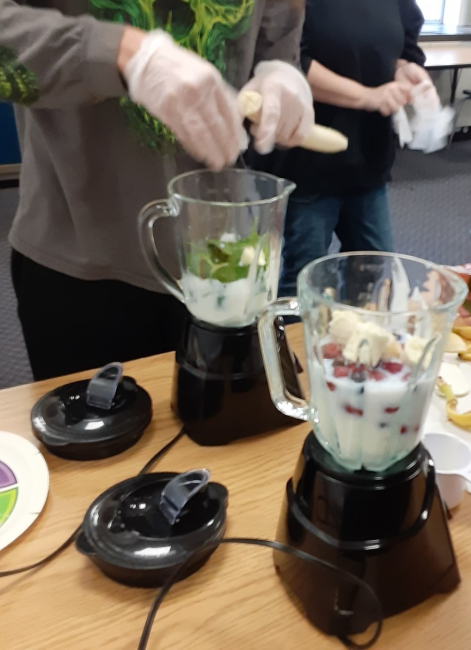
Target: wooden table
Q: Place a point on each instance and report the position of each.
(448, 56)
(236, 601)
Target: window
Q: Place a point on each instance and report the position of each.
(433, 10)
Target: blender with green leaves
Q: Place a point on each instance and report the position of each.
(227, 230)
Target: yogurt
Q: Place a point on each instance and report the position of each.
(368, 416)
(231, 304)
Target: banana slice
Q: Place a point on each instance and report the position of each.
(452, 375)
(367, 344)
(414, 349)
(342, 324)
(393, 351)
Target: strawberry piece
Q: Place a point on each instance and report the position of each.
(392, 367)
(406, 377)
(331, 386)
(404, 429)
(417, 428)
(392, 409)
(376, 375)
(351, 410)
(341, 371)
(330, 351)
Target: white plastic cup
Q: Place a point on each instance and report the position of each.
(452, 458)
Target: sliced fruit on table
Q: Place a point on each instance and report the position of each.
(452, 375)
(464, 331)
(462, 420)
(455, 344)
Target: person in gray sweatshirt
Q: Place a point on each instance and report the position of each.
(113, 98)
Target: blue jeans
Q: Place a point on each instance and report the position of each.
(361, 221)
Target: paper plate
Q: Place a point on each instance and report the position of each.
(24, 484)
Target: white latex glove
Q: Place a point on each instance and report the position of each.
(188, 95)
(287, 109)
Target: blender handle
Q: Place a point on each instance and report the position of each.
(146, 220)
(284, 401)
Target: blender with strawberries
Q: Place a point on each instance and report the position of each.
(364, 492)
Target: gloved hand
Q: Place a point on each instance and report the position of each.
(287, 109)
(411, 73)
(188, 95)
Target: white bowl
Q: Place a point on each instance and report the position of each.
(452, 458)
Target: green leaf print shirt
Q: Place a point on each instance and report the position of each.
(90, 157)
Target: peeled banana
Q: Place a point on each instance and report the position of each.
(321, 138)
(462, 420)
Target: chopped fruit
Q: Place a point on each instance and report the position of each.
(367, 343)
(383, 425)
(340, 361)
(393, 350)
(376, 375)
(417, 428)
(342, 325)
(392, 409)
(341, 371)
(404, 429)
(330, 351)
(331, 386)
(414, 351)
(406, 377)
(353, 411)
(392, 367)
(359, 374)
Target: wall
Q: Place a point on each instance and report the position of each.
(457, 12)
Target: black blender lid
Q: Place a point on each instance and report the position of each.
(143, 529)
(86, 420)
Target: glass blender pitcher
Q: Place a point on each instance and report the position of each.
(228, 228)
(375, 326)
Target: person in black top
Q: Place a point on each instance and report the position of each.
(362, 60)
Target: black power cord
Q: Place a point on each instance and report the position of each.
(288, 550)
(162, 452)
(70, 540)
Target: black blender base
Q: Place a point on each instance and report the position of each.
(388, 529)
(220, 389)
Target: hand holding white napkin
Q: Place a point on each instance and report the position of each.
(431, 123)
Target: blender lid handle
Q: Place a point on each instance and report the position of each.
(180, 490)
(149, 214)
(101, 389)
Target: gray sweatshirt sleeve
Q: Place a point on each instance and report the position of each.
(280, 33)
(48, 60)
